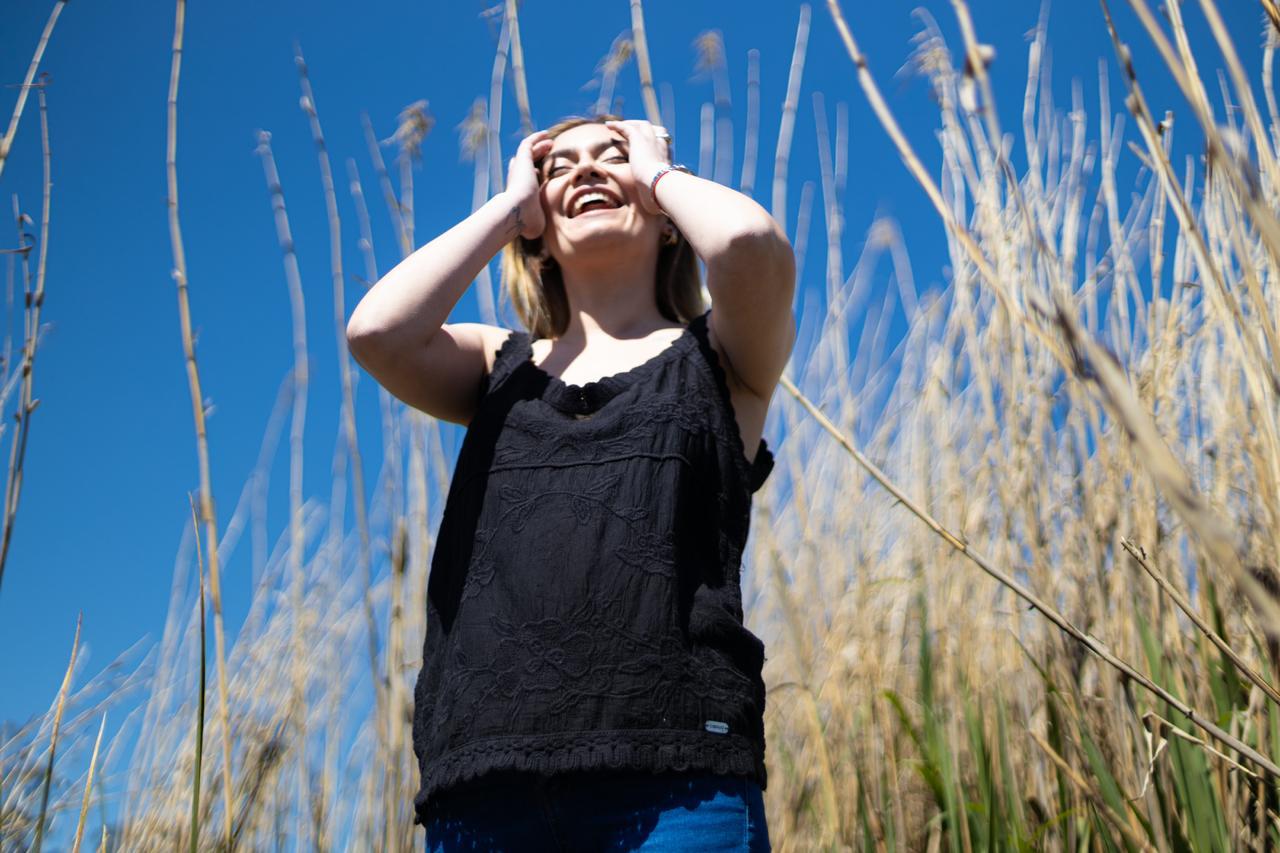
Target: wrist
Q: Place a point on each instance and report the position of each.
(658, 176)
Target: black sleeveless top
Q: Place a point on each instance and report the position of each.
(583, 604)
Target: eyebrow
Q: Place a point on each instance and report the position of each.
(615, 142)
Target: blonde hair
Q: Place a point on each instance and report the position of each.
(536, 287)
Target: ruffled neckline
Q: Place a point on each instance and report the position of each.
(591, 396)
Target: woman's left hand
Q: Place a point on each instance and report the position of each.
(646, 152)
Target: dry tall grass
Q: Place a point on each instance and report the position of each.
(1015, 572)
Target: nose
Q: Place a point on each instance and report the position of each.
(585, 166)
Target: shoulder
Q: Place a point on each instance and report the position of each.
(490, 340)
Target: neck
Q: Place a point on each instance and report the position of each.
(612, 294)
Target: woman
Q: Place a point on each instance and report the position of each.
(587, 682)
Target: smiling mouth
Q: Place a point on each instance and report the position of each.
(593, 202)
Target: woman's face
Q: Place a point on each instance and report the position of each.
(589, 196)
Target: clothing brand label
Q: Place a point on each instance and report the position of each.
(717, 727)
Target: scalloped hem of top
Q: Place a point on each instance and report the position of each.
(656, 750)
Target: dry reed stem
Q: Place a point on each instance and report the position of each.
(200, 700)
(1083, 355)
(1092, 795)
(197, 405)
(388, 191)
(32, 305)
(1052, 614)
(782, 153)
(88, 786)
(706, 139)
(6, 142)
(747, 183)
(344, 361)
(651, 111)
(496, 76)
(1214, 532)
(53, 736)
(517, 70)
(620, 53)
(297, 429)
(1139, 556)
(376, 671)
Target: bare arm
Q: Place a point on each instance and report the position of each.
(398, 332)
(750, 264)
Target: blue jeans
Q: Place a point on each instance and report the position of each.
(601, 811)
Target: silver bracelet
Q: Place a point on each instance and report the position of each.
(653, 184)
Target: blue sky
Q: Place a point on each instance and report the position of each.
(111, 456)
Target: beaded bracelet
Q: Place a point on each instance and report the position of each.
(653, 185)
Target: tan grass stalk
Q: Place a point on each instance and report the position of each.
(782, 154)
(747, 183)
(88, 787)
(651, 111)
(517, 71)
(388, 191)
(1174, 731)
(414, 125)
(620, 53)
(709, 48)
(1182, 69)
(344, 360)
(1083, 786)
(474, 145)
(801, 239)
(1089, 642)
(6, 142)
(1082, 355)
(208, 515)
(1140, 557)
(496, 76)
(830, 198)
(53, 736)
(297, 426)
(371, 274)
(200, 696)
(706, 139)
(26, 403)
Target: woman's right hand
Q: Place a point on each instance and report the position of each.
(523, 186)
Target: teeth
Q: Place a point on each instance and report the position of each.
(589, 197)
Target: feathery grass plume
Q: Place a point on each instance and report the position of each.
(620, 53)
(207, 511)
(394, 208)
(709, 47)
(415, 123)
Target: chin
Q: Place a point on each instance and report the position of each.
(601, 236)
